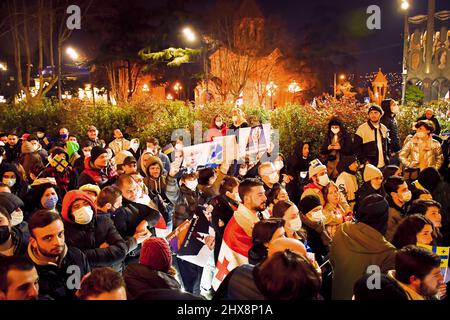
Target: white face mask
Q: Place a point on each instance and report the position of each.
(316, 216)
(395, 109)
(278, 164)
(295, 224)
(274, 177)
(83, 215)
(421, 134)
(219, 124)
(134, 145)
(40, 135)
(87, 154)
(242, 172)
(191, 184)
(9, 181)
(405, 196)
(335, 130)
(16, 218)
(324, 180)
(179, 146)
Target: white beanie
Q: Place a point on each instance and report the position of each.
(371, 172)
(315, 167)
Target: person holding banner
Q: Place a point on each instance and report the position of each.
(218, 128)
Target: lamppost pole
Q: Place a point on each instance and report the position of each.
(405, 7)
(334, 86)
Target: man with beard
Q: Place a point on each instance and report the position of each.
(417, 271)
(60, 267)
(18, 279)
(237, 237)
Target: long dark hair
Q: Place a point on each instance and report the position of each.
(407, 230)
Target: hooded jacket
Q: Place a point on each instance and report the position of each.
(89, 237)
(33, 197)
(92, 175)
(356, 246)
(158, 184)
(388, 119)
(13, 152)
(20, 188)
(139, 278)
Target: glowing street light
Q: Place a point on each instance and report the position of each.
(177, 87)
(271, 87)
(3, 66)
(342, 78)
(145, 88)
(169, 97)
(294, 87)
(72, 53)
(405, 5)
(189, 34)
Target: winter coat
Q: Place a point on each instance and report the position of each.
(66, 180)
(365, 143)
(19, 242)
(365, 190)
(89, 237)
(159, 184)
(388, 119)
(222, 213)
(139, 278)
(13, 152)
(348, 186)
(318, 238)
(128, 217)
(313, 189)
(356, 246)
(184, 199)
(53, 279)
(28, 160)
(98, 142)
(100, 177)
(331, 158)
(410, 154)
(396, 215)
(435, 121)
(116, 146)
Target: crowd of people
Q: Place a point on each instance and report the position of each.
(79, 217)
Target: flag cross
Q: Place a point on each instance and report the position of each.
(223, 269)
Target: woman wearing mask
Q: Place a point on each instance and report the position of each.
(289, 212)
(10, 176)
(13, 206)
(238, 118)
(43, 194)
(337, 143)
(13, 242)
(421, 151)
(334, 214)
(313, 222)
(275, 195)
(218, 128)
(264, 232)
(298, 165)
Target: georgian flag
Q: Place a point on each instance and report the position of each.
(233, 252)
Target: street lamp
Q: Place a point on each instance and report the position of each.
(405, 7)
(294, 88)
(72, 53)
(191, 36)
(342, 78)
(271, 87)
(177, 87)
(3, 66)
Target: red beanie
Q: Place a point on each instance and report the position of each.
(155, 253)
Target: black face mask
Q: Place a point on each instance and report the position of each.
(5, 233)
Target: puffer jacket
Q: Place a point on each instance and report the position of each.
(89, 237)
(92, 175)
(409, 155)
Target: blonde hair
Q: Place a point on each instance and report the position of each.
(240, 114)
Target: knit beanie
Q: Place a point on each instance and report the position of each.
(27, 147)
(308, 203)
(371, 172)
(315, 167)
(374, 107)
(10, 202)
(373, 211)
(97, 152)
(155, 254)
(429, 178)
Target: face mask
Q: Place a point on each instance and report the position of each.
(421, 134)
(134, 146)
(242, 172)
(16, 218)
(151, 151)
(395, 109)
(316, 216)
(40, 135)
(235, 118)
(335, 131)
(191, 184)
(295, 224)
(5, 233)
(63, 136)
(9, 181)
(278, 165)
(87, 154)
(50, 202)
(405, 196)
(219, 124)
(83, 215)
(236, 197)
(324, 180)
(179, 146)
(274, 177)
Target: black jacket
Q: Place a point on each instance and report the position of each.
(89, 237)
(318, 238)
(391, 123)
(128, 217)
(224, 208)
(13, 152)
(366, 146)
(140, 278)
(365, 190)
(54, 280)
